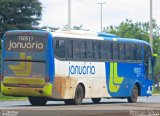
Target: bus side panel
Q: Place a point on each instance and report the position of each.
(68, 76)
(121, 77)
(147, 87)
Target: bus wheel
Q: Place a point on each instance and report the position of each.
(134, 96)
(79, 95)
(37, 101)
(96, 100)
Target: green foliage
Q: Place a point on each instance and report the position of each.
(19, 14)
(157, 67)
(155, 91)
(6, 98)
(129, 29)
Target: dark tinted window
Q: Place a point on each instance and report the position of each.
(96, 50)
(115, 51)
(83, 49)
(128, 51)
(89, 49)
(69, 49)
(105, 50)
(139, 51)
(134, 52)
(76, 49)
(121, 51)
(59, 48)
(147, 52)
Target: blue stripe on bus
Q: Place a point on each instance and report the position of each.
(134, 74)
(51, 58)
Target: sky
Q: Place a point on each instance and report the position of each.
(87, 12)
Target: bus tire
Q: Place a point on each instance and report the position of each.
(96, 100)
(37, 101)
(133, 98)
(79, 95)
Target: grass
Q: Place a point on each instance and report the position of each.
(10, 98)
(155, 91)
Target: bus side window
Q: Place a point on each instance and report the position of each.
(103, 51)
(134, 57)
(147, 61)
(139, 52)
(106, 50)
(121, 51)
(69, 49)
(129, 51)
(83, 49)
(96, 50)
(60, 48)
(115, 51)
(76, 49)
(89, 49)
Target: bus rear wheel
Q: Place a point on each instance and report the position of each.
(96, 100)
(37, 101)
(79, 95)
(133, 98)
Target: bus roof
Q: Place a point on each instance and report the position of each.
(79, 34)
(26, 32)
(95, 35)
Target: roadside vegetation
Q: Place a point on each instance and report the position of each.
(155, 91)
(9, 98)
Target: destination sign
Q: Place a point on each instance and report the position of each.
(25, 43)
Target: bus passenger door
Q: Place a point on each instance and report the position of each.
(148, 69)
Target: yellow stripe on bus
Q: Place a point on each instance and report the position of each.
(24, 80)
(24, 68)
(115, 80)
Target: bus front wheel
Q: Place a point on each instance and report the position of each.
(133, 98)
(37, 101)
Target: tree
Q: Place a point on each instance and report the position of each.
(19, 14)
(129, 29)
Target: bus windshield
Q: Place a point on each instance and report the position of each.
(25, 54)
(32, 69)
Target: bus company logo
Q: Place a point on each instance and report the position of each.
(23, 68)
(25, 42)
(82, 70)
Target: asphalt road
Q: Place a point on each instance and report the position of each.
(108, 107)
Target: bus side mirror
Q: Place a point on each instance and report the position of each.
(154, 59)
